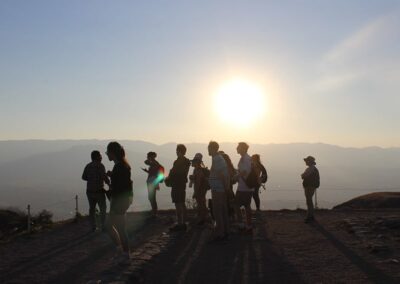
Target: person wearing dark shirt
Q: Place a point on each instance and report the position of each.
(153, 179)
(95, 176)
(121, 194)
(261, 174)
(177, 178)
(199, 181)
(311, 182)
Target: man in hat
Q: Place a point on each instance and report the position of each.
(310, 184)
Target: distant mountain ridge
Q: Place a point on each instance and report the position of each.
(43, 172)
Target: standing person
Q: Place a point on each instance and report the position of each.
(244, 192)
(177, 178)
(155, 176)
(121, 194)
(95, 176)
(230, 194)
(199, 180)
(261, 176)
(311, 182)
(219, 183)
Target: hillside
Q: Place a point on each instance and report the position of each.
(359, 247)
(388, 200)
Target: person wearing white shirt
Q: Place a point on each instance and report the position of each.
(219, 183)
(243, 192)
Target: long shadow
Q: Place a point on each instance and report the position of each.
(243, 259)
(24, 266)
(44, 253)
(374, 274)
(74, 271)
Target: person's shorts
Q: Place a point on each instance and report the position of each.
(119, 205)
(178, 195)
(243, 198)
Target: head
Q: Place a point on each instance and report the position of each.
(310, 161)
(197, 160)
(151, 156)
(213, 148)
(256, 158)
(96, 156)
(242, 148)
(180, 150)
(115, 152)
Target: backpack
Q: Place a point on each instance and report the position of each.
(231, 168)
(312, 180)
(264, 174)
(252, 179)
(315, 181)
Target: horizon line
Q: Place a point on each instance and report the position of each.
(188, 143)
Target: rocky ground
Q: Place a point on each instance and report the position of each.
(341, 247)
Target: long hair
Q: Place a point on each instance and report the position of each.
(118, 151)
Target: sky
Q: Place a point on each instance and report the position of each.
(150, 70)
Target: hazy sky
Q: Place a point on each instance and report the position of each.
(149, 70)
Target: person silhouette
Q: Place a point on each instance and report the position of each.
(219, 183)
(95, 176)
(199, 181)
(244, 192)
(153, 179)
(262, 178)
(177, 178)
(121, 195)
(311, 181)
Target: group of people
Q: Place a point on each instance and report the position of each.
(226, 206)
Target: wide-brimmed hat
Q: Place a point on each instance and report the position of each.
(310, 159)
(198, 157)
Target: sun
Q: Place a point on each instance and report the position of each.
(239, 102)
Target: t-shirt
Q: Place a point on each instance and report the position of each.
(179, 172)
(95, 174)
(121, 183)
(244, 166)
(218, 167)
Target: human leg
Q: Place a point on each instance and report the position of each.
(152, 197)
(92, 209)
(103, 209)
(256, 197)
(218, 213)
(309, 193)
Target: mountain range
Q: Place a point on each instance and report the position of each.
(47, 174)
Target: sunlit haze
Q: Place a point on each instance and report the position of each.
(192, 71)
(239, 102)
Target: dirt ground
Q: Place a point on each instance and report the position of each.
(340, 247)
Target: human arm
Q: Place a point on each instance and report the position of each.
(307, 173)
(85, 174)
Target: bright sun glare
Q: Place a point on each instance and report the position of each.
(239, 102)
